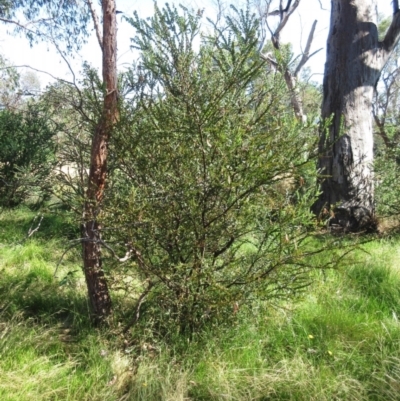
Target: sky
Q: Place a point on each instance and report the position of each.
(43, 57)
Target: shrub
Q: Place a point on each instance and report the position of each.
(202, 156)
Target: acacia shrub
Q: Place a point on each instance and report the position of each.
(201, 161)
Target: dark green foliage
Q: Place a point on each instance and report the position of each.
(27, 152)
(209, 195)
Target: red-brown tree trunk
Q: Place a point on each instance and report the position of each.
(355, 58)
(98, 292)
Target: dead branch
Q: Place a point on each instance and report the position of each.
(270, 60)
(137, 307)
(31, 230)
(284, 17)
(306, 54)
(290, 78)
(127, 256)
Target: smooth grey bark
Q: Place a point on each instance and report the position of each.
(355, 58)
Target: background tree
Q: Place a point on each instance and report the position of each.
(355, 59)
(9, 82)
(27, 153)
(17, 87)
(62, 23)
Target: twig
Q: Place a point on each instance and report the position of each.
(127, 256)
(9, 21)
(306, 54)
(137, 307)
(41, 71)
(66, 62)
(78, 241)
(32, 230)
(320, 4)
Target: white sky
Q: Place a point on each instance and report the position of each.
(42, 57)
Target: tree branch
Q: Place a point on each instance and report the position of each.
(41, 71)
(18, 24)
(306, 54)
(270, 60)
(392, 37)
(95, 23)
(291, 79)
(284, 19)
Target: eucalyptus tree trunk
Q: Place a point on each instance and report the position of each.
(355, 58)
(98, 292)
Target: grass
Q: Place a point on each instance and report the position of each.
(340, 342)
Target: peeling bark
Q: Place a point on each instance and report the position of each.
(355, 58)
(98, 292)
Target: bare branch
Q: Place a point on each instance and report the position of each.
(41, 71)
(32, 230)
(320, 4)
(66, 61)
(127, 256)
(18, 24)
(137, 307)
(266, 20)
(270, 60)
(284, 19)
(95, 23)
(306, 54)
(314, 53)
(290, 78)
